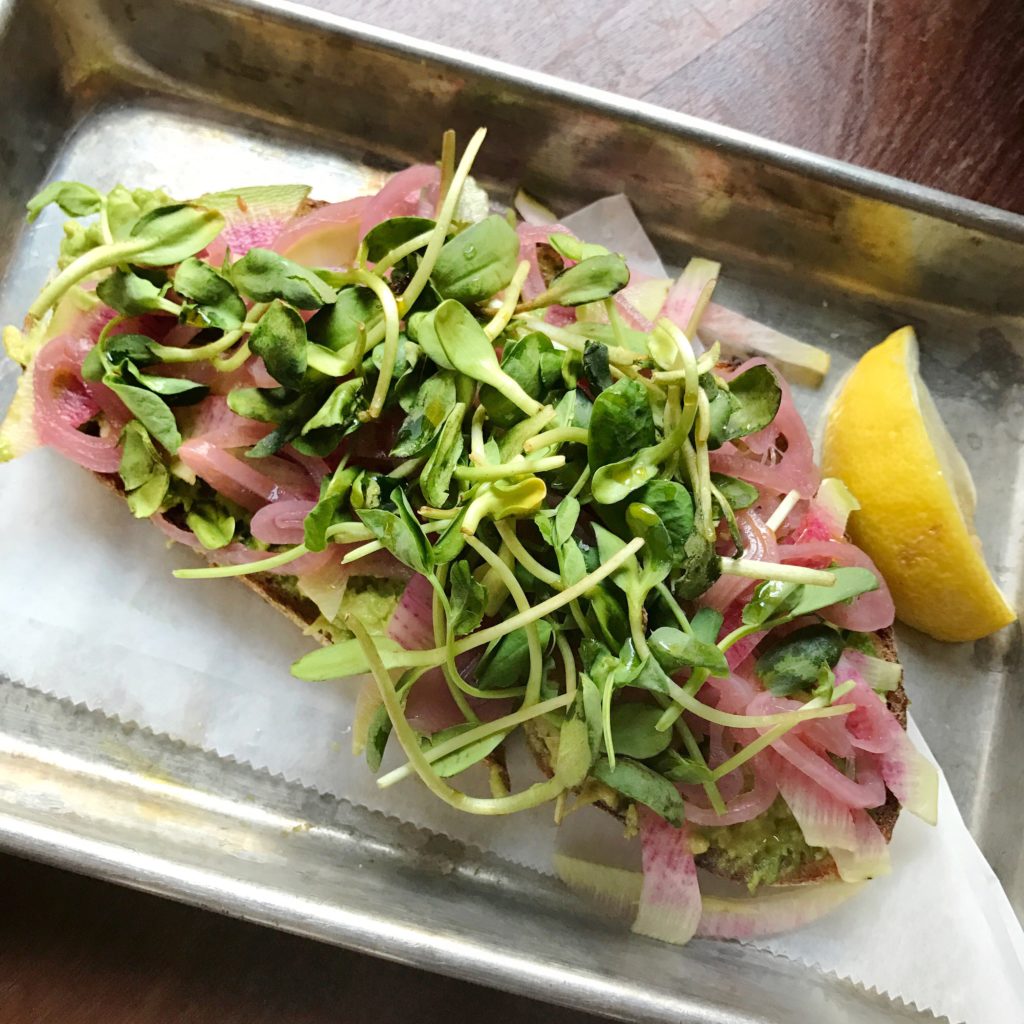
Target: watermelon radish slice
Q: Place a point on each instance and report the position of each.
(670, 903)
(255, 216)
(912, 779)
(823, 820)
(771, 913)
(869, 857)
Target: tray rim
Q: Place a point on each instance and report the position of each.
(935, 202)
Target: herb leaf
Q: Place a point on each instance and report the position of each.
(468, 599)
(477, 262)
(142, 471)
(639, 783)
(621, 423)
(264, 275)
(634, 733)
(796, 661)
(280, 338)
(130, 294)
(215, 301)
(74, 199)
(391, 233)
(150, 410)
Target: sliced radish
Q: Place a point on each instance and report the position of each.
(616, 890)
(869, 856)
(670, 896)
(771, 913)
(823, 820)
(912, 779)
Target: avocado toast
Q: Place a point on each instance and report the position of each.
(497, 475)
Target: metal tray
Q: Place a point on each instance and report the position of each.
(193, 94)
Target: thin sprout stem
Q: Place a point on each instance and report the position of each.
(217, 571)
(442, 623)
(556, 602)
(173, 354)
(710, 788)
(581, 482)
(447, 167)
(374, 546)
(407, 468)
(704, 464)
(778, 517)
(399, 253)
(674, 607)
(537, 794)
(615, 320)
(577, 342)
(560, 435)
(508, 534)
(477, 454)
(392, 326)
(233, 362)
(630, 372)
(444, 219)
(480, 732)
(508, 470)
(752, 569)
(568, 665)
(501, 318)
(522, 602)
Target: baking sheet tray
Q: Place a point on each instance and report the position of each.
(196, 95)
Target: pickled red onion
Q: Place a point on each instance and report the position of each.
(62, 404)
(281, 522)
(234, 478)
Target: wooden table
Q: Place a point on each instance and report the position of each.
(931, 90)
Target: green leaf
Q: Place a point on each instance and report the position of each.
(477, 262)
(436, 477)
(215, 301)
(596, 371)
(468, 599)
(621, 424)
(264, 275)
(170, 234)
(332, 493)
(115, 350)
(401, 534)
(771, 599)
(451, 541)
(796, 661)
(701, 566)
(125, 207)
(591, 280)
(535, 365)
(267, 405)
(639, 783)
(656, 555)
(749, 405)
(394, 232)
(173, 390)
(573, 249)
(634, 733)
(212, 524)
(589, 696)
(707, 624)
(738, 493)
(431, 407)
(851, 581)
(674, 506)
(336, 417)
(129, 294)
(673, 650)
(142, 471)
(608, 616)
(677, 768)
(150, 410)
(507, 663)
(465, 757)
(337, 326)
(378, 732)
(74, 199)
(566, 517)
(280, 338)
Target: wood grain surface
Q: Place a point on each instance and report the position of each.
(931, 90)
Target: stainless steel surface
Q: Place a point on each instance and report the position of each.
(80, 791)
(195, 95)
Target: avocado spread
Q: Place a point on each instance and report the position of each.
(764, 849)
(371, 601)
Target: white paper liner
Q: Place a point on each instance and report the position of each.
(89, 611)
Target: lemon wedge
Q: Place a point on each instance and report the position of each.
(885, 439)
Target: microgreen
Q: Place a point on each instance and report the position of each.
(552, 483)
